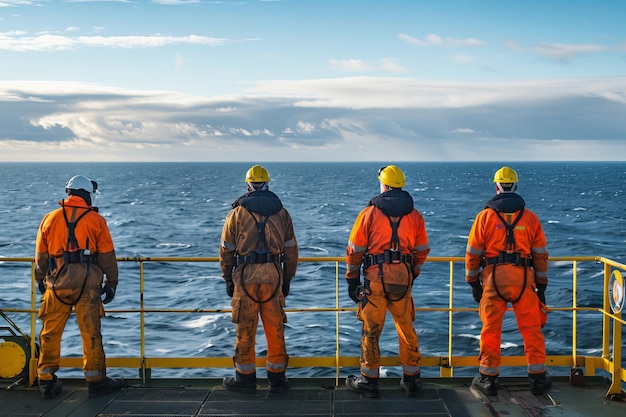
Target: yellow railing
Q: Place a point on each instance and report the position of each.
(610, 361)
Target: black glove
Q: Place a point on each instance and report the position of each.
(353, 289)
(286, 284)
(230, 287)
(42, 287)
(541, 292)
(477, 290)
(108, 292)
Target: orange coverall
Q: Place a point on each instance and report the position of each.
(515, 283)
(371, 234)
(258, 285)
(67, 286)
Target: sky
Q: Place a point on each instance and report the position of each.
(312, 80)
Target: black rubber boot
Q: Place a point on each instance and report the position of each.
(278, 381)
(363, 384)
(539, 383)
(50, 389)
(486, 383)
(410, 384)
(106, 386)
(245, 383)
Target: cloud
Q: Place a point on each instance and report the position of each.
(10, 3)
(436, 40)
(19, 42)
(558, 51)
(329, 119)
(357, 65)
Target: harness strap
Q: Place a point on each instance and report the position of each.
(258, 258)
(510, 228)
(506, 258)
(509, 255)
(393, 255)
(389, 257)
(73, 253)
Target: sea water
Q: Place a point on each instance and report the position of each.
(178, 210)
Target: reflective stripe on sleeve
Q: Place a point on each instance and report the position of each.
(472, 272)
(356, 248)
(228, 245)
(474, 251)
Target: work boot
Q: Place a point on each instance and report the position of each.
(410, 384)
(106, 386)
(539, 383)
(245, 383)
(362, 384)
(51, 388)
(278, 382)
(486, 383)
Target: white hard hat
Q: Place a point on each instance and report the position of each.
(78, 182)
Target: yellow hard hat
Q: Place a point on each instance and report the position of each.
(392, 176)
(505, 175)
(257, 174)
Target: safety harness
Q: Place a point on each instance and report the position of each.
(260, 255)
(509, 255)
(392, 255)
(73, 253)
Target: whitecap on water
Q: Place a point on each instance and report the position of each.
(201, 321)
(173, 245)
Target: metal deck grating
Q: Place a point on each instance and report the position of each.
(310, 398)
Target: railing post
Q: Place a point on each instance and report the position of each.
(32, 366)
(615, 390)
(446, 370)
(142, 336)
(606, 320)
(337, 348)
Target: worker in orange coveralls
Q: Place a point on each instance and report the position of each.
(258, 258)
(74, 253)
(506, 261)
(389, 241)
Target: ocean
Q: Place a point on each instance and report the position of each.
(178, 209)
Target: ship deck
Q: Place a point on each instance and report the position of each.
(313, 397)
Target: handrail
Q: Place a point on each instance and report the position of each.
(610, 361)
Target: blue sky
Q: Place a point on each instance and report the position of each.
(299, 80)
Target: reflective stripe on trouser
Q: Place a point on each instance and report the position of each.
(246, 313)
(54, 315)
(492, 311)
(373, 317)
